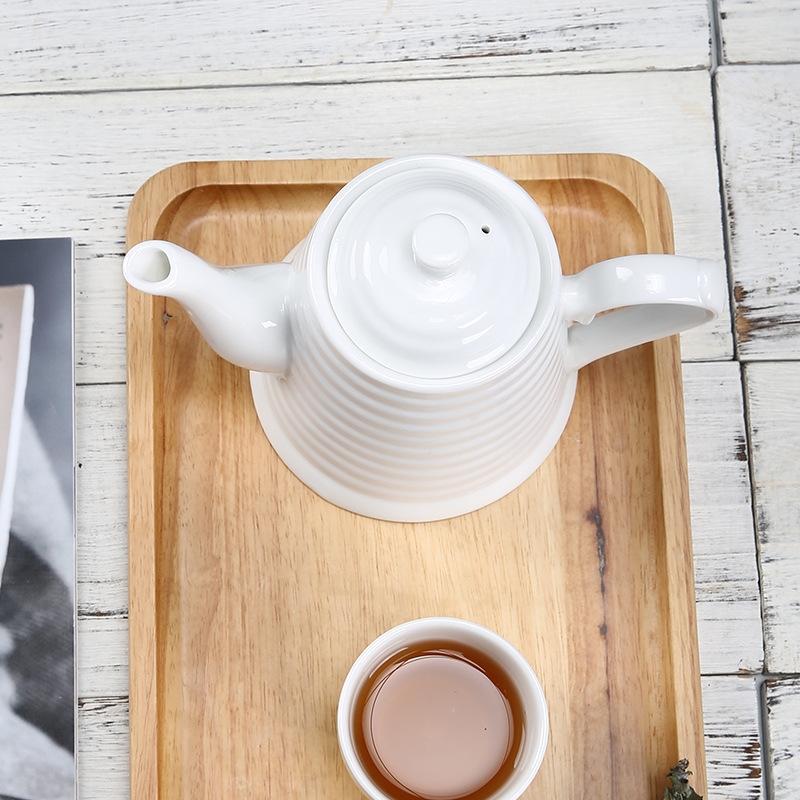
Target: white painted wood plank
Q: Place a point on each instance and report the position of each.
(759, 108)
(783, 735)
(102, 541)
(726, 572)
(111, 44)
(91, 153)
(763, 31)
(733, 751)
(103, 747)
(102, 657)
(774, 420)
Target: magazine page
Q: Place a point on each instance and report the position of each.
(16, 322)
(37, 583)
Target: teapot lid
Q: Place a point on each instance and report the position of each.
(433, 270)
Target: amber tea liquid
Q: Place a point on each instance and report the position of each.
(439, 721)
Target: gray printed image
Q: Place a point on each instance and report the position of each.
(37, 583)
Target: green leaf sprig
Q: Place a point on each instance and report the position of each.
(679, 775)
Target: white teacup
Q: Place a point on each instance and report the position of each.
(416, 356)
(425, 687)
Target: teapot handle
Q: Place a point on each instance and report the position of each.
(646, 296)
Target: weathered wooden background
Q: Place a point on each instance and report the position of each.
(97, 96)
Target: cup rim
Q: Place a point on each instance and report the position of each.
(535, 742)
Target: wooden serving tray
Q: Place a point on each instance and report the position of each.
(250, 596)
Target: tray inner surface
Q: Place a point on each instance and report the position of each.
(263, 594)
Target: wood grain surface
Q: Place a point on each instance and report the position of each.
(100, 45)
(726, 574)
(662, 120)
(772, 391)
(250, 596)
(767, 31)
(782, 700)
(731, 707)
(761, 182)
(725, 579)
(72, 162)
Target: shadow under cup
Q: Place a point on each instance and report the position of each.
(442, 709)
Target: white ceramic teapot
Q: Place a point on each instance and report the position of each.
(416, 355)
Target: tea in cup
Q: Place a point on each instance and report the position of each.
(442, 709)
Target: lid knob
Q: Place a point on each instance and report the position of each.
(439, 243)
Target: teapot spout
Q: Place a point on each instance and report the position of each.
(240, 311)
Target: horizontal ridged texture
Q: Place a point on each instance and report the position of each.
(345, 433)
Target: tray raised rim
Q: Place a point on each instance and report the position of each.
(145, 432)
